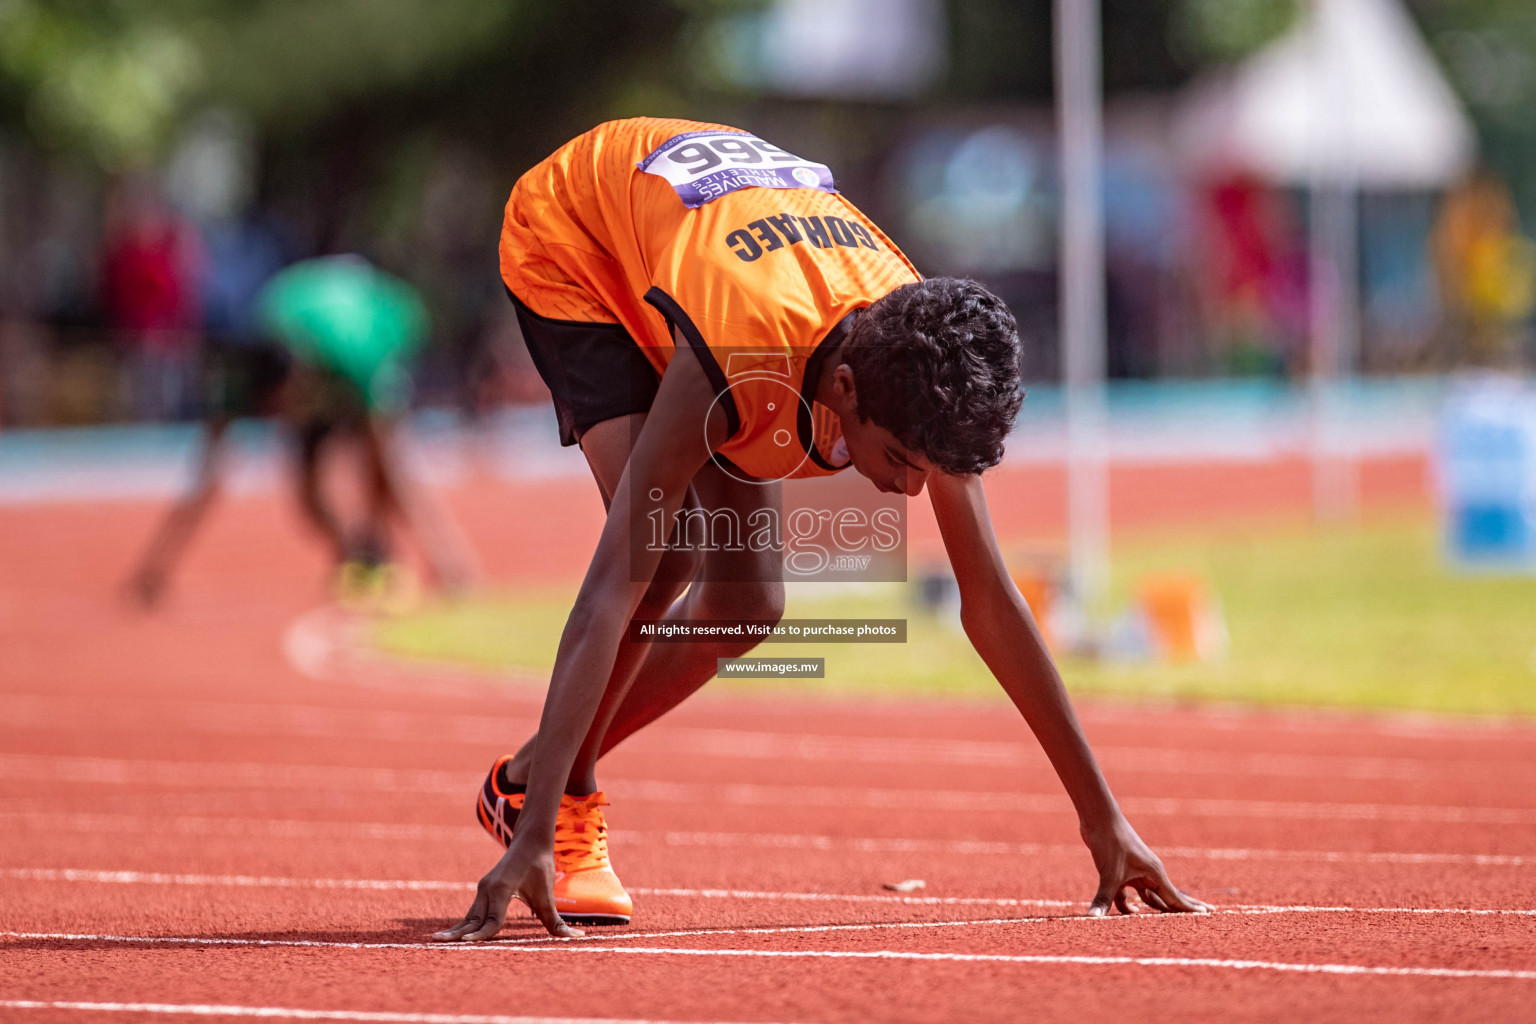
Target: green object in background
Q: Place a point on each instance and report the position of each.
(343, 314)
(1362, 618)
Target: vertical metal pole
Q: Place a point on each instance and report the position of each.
(1080, 124)
(1335, 272)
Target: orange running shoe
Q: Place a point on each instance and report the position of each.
(586, 889)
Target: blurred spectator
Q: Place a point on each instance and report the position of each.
(241, 257)
(1401, 302)
(1145, 224)
(150, 290)
(1487, 271)
(1252, 271)
(238, 359)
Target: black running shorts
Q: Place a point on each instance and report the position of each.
(594, 371)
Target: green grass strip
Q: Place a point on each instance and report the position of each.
(1363, 617)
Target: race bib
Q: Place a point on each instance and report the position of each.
(703, 166)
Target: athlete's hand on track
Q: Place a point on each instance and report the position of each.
(1124, 861)
(529, 879)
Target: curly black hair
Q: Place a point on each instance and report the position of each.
(937, 364)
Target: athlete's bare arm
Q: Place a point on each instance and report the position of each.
(671, 448)
(1003, 631)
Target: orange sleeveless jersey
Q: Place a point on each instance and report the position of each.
(760, 269)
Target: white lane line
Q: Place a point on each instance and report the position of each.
(739, 743)
(87, 875)
(1104, 961)
(108, 771)
(313, 643)
(803, 929)
(1486, 860)
(497, 730)
(295, 1013)
(107, 824)
(233, 881)
(101, 771)
(1345, 722)
(831, 897)
(966, 923)
(1428, 911)
(816, 954)
(958, 800)
(307, 721)
(782, 841)
(330, 645)
(433, 885)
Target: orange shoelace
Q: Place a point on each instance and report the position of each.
(581, 834)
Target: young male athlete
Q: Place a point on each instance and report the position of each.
(649, 261)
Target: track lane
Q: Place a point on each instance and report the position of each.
(156, 690)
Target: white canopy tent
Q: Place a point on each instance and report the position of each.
(1351, 96)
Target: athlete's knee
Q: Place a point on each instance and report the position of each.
(658, 597)
(770, 597)
(756, 601)
(679, 567)
(674, 572)
(760, 602)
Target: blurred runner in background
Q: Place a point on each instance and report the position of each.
(347, 332)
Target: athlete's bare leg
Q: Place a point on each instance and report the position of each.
(148, 583)
(740, 585)
(650, 679)
(607, 446)
(313, 503)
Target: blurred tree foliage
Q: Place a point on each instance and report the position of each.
(290, 60)
(1002, 49)
(1488, 47)
(104, 78)
(1226, 30)
(111, 80)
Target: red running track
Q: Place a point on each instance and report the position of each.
(192, 825)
